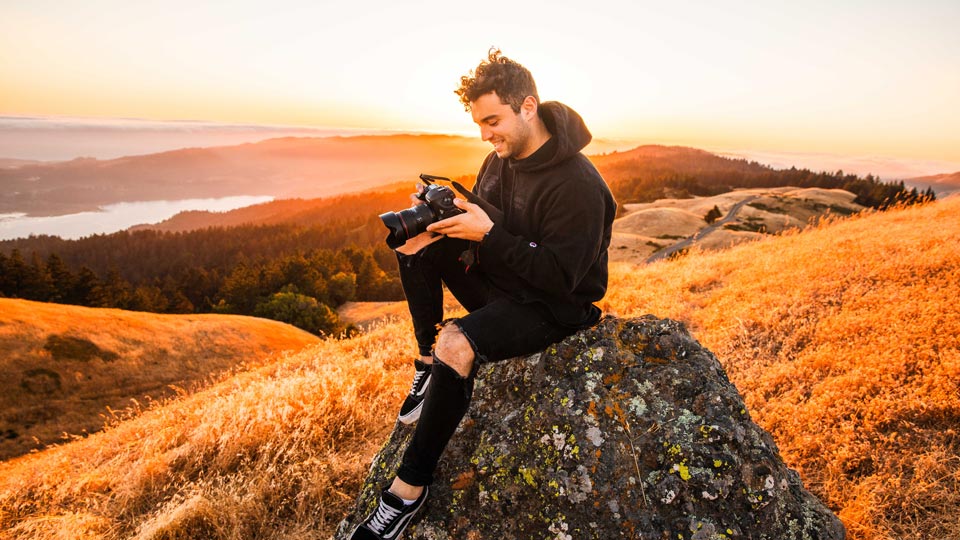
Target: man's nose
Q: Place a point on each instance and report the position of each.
(485, 134)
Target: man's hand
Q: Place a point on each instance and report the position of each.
(469, 226)
(418, 242)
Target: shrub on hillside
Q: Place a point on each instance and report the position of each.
(302, 311)
(713, 215)
(74, 348)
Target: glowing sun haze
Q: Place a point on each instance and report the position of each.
(880, 77)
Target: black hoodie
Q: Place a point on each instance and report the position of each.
(552, 215)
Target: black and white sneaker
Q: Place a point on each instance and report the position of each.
(410, 410)
(390, 518)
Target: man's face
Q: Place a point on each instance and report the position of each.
(507, 131)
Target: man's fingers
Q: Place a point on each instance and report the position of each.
(453, 221)
(465, 205)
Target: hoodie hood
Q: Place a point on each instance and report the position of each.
(569, 136)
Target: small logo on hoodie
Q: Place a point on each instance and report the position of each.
(533, 244)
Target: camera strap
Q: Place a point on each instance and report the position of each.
(495, 214)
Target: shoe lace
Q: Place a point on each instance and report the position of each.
(417, 377)
(382, 518)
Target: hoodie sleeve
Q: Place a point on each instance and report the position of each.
(570, 240)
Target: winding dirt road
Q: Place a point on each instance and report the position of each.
(687, 242)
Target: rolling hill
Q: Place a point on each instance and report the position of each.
(65, 366)
(841, 338)
(645, 229)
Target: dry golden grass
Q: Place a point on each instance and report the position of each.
(366, 314)
(842, 339)
(275, 452)
(65, 365)
(845, 342)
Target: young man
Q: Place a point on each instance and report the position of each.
(527, 259)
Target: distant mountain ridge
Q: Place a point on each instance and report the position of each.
(615, 166)
(941, 183)
(284, 168)
(618, 168)
(644, 174)
(311, 167)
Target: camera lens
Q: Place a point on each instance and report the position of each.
(406, 224)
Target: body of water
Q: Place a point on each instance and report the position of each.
(115, 217)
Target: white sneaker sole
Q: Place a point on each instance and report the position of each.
(414, 414)
(411, 416)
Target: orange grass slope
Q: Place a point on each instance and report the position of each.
(845, 342)
(65, 365)
(276, 452)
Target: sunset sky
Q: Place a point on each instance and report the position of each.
(879, 78)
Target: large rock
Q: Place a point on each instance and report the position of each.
(629, 429)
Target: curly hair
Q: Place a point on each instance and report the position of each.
(511, 81)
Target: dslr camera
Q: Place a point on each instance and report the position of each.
(438, 205)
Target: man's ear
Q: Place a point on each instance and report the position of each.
(529, 107)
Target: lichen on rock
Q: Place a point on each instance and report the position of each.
(627, 429)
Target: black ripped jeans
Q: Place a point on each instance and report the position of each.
(497, 328)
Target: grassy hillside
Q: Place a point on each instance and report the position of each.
(65, 365)
(842, 339)
(646, 228)
(275, 452)
(844, 342)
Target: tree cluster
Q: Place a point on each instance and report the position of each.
(684, 172)
(291, 273)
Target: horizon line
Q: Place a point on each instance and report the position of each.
(879, 165)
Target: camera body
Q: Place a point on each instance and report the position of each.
(438, 205)
(440, 201)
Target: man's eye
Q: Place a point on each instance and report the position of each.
(494, 124)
